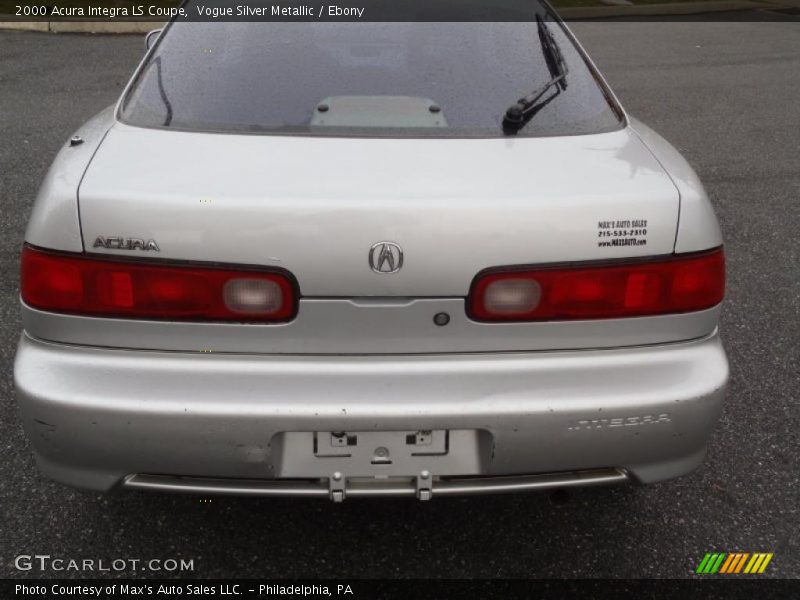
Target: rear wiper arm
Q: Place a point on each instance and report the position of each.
(518, 115)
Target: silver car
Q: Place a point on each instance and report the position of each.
(340, 260)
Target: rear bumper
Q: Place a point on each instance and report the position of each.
(96, 417)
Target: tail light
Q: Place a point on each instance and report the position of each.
(677, 284)
(82, 285)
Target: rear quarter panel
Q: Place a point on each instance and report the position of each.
(698, 228)
(54, 221)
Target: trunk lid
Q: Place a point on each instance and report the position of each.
(316, 206)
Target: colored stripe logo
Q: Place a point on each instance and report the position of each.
(734, 562)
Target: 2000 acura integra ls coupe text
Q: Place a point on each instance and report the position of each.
(344, 260)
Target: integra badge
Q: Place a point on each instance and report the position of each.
(121, 243)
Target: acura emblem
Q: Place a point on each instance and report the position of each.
(386, 257)
(123, 243)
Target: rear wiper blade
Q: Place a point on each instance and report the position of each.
(518, 115)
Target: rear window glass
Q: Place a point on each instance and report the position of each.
(372, 79)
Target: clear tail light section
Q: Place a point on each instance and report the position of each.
(632, 288)
(92, 286)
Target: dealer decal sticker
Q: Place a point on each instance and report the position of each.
(622, 232)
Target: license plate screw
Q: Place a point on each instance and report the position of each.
(424, 437)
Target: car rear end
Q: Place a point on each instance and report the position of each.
(368, 294)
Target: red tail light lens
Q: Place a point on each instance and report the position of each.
(92, 286)
(636, 288)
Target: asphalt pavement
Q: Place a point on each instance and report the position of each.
(726, 95)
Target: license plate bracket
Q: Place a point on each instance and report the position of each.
(312, 454)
